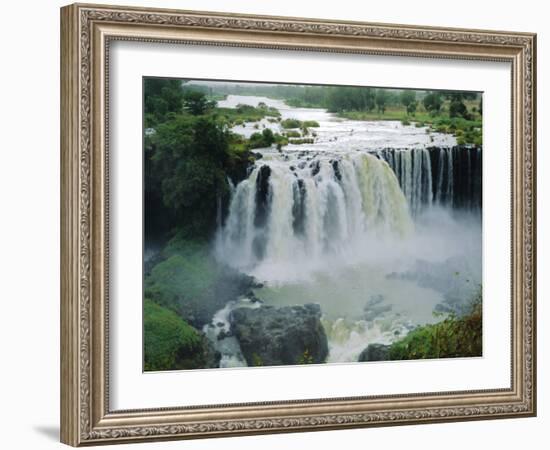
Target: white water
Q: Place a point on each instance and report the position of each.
(310, 215)
(227, 345)
(337, 218)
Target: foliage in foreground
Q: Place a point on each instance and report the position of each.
(451, 338)
(184, 281)
(170, 342)
(190, 282)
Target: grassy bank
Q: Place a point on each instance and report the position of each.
(453, 337)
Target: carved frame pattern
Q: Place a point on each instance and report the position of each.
(86, 418)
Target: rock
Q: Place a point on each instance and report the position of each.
(223, 335)
(208, 354)
(375, 352)
(315, 168)
(285, 335)
(252, 297)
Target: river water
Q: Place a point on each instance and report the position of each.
(338, 223)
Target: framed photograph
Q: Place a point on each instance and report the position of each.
(280, 224)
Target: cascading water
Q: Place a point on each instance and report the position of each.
(311, 208)
(445, 176)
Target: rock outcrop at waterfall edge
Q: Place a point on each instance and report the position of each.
(271, 336)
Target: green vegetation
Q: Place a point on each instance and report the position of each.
(427, 108)
(190, 282)
(306, 358)
(452, 337)
(301, 141)
(468, 129)
(190, 152)
(162, 98)
(246, 113)
(408, 100)
(187, 161)
(310, 124)
(257, 360)
(433, 103)
(291, 123)
(264, 139)
(304, 126)
(293, 134)
(170, 342)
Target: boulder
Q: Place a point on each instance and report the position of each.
(271, 336)
(375, 352)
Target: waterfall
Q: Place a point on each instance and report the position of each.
(414, 172)
(318, 206)
(443, 176)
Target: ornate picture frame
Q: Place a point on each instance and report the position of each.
(87, 32)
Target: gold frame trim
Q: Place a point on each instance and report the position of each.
(86, 31)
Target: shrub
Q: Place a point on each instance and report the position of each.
(453, 337)
(302, 141)
(290, 123)
(310, 124)
(293, 134)
(169, 341)
(260, 140)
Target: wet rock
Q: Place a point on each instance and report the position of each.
(253, 297)
(285, 335)
(375, 352)
(223, 334)
(315, 167)
(336, 169)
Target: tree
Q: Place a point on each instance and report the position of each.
(408, 99)
(268, 136)
(196, 102)
(161, 96)
(188, 163)
(381, 100)
(368, 99)
(457, 108)
(433, 102)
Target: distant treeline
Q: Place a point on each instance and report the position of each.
(341, 99)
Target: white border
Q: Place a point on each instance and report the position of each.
(132, 389)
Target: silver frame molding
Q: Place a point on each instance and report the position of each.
(86, 33)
